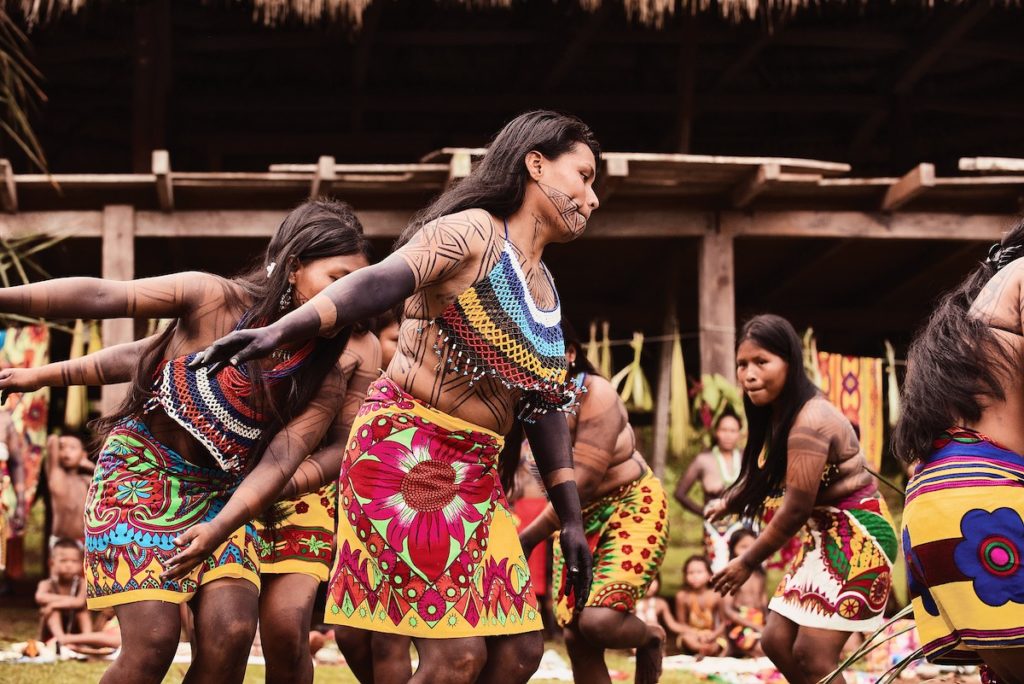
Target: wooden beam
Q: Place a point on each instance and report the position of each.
(164, 184)
(616, 169)
(934, 48)
(716, 303)
(754, 184)
(855, 224)
(323, 178)
(151, 56)
(992, 164)
(573, 52)
(664, 383)
(687, 83)
(361, 61)
(85, 224)
(460, 165)
(118, 234)
(8, 190)
(748, 56)
(913, 184)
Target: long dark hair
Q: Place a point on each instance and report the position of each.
(498, 182)
(956, 363)
(316, 229)
(581, 364)
(769, 425)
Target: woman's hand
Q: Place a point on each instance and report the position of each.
(16, 380)
(731, 577)
(714, 509)
(237, 348)
(578, 563)
(196, 544)
(527, 544)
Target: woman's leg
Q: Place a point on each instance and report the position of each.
(286, 608)
(391, 661)
(609, 628)
(226, 618)
(513, 659)
(1007, 663)
(449, 661)
(149, 639)
(586, 657)
(816, 652)
(777, 641)
(357, 647)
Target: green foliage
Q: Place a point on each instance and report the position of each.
(19, 90)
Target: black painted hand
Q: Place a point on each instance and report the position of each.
(579, 563)
(237, 348)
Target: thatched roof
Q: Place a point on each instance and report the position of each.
(647, 12)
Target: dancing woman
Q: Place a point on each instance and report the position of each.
(840, 580)
(190, 458)
(426, 544)
(963, 421)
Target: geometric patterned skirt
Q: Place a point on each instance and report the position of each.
(427, 546)
(627, 531)
(303, 542)
(963, 538)
(143, 495)
(841, 576)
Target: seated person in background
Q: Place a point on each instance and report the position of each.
(68, 475)
(745, 611)
(61, 597)
(654, 610)
(698, 611)
(103, 639)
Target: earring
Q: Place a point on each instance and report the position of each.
(286, 298)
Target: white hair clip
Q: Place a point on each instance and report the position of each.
(270, 267)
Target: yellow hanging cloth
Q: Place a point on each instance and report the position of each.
(592, 351)
(606, 350)
(77, 406)
(636, 391)
(811, 359)
(679, 401)
(893, 389)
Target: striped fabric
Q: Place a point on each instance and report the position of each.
(963, 538)
(219, 410)
(494, 328)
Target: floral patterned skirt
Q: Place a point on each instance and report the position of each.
(143, 495)
(304, 541)
(842, 574)
(627, 531)
(427, 546)
(963, 538)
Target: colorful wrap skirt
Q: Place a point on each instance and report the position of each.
(427, 546)
(143, 495)
(842, 574)
(742, 638)
(303, 542)
(627, 531)
(963, 539)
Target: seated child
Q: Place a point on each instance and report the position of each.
(102, 640)
(654, 610)
(698, 607)
(745, 611)
(61, 597)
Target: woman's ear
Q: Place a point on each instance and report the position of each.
(535, 162)
(293, 265)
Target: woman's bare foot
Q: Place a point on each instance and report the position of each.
(648, 656)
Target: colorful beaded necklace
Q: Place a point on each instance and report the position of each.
(494, 328)
(219, 410)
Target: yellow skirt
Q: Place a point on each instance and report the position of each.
(427, 546)
(303, 542)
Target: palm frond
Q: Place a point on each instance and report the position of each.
(894, 672)
(870, 645)
(19, 90)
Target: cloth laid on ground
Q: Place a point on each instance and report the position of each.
(854, 385)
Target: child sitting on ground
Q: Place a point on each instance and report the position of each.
(745, 611)
(102, 640)
(654, 610)
(61, 597)
(698, 607)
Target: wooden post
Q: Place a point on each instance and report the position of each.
(717, 304)
(661, 399)
(118, 234)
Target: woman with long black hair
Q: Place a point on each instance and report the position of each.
(426, 544)
(963, 422)
(802, 445)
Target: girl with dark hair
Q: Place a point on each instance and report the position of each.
(963, 420)
(190, 458)
(426, 545)
(801, 444)
(715, 470)
(625, 519)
